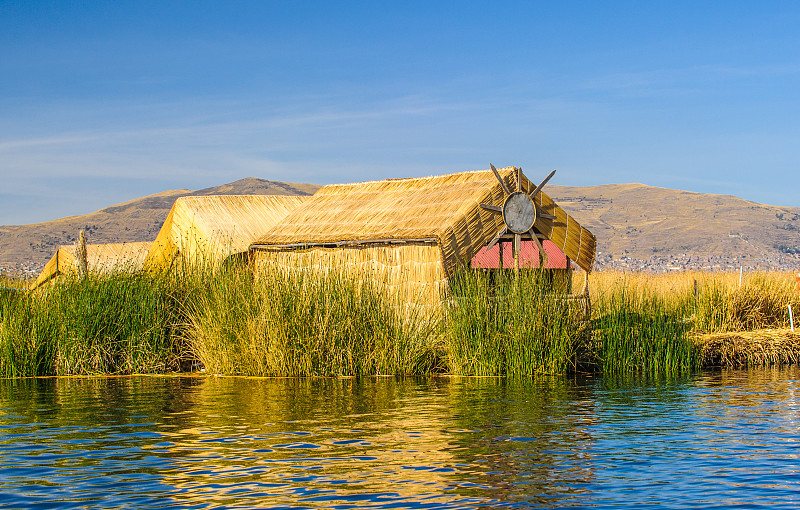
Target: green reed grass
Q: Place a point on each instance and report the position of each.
(27, 335)
(501, 324)
(120, 323)
(637, 330)
(304, 323)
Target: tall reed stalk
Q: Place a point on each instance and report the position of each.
(120, 323)
(304, 323)
(719, 303)
(637, 330)
(760, 302)
(499, 324)
(309, 323)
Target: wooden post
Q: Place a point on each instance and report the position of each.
(741, 269)
(587, 301)
(83, 265)
(791, 318)
(569, 274)
(502, 259)
(541, 256)
(517, 247)
(695, 289)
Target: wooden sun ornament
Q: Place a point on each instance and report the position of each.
(519, 214)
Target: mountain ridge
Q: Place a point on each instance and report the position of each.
(638, 226)
(24, 249)
(646, 227)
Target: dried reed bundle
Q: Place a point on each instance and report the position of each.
(748, 348)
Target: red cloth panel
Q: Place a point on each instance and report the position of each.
(528, 257)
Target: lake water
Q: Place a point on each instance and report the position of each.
(727, 439)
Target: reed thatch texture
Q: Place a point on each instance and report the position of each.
(208, 229)
(100, 259)
(442, 211)
(445, 208)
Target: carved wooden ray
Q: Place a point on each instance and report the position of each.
(522, 214)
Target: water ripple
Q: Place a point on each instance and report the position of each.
(722, 439)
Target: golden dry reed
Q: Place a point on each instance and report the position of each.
(714, 301)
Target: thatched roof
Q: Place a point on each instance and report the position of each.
(100, 258)
(208, 229)
(443, 209)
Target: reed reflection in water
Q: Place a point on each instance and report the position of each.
(718, 438)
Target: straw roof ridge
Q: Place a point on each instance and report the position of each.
(210, 228)
(400, 179)
(239, 195)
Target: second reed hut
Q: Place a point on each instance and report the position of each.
(415, 233)
(207, 230)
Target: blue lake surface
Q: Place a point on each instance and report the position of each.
(723, 439)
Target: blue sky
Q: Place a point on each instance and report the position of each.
(102, 102)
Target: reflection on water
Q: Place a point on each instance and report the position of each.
(723, 439)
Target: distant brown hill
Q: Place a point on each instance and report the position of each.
(637, 226)
(28, 247)
(645, 227)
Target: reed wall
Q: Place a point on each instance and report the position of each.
(411, 272)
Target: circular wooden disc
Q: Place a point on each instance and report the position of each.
(519, 212)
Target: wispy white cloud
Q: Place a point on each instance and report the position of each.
(40, 142)
(184, 149)
(696, 77)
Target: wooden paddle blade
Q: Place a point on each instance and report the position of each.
(539, 187)
(502, 182)
(492, 208)
(496, 239)
(540, 247)
(546, 216)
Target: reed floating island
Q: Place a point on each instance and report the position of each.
(467, 273)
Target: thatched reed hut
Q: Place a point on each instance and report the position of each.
(100, 259)
(202, 230)
(414, 233)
